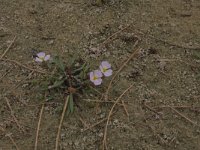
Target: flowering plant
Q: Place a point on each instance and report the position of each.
(67, 77)
(71, 77)
(96, 75)
(41, 57)
(105, 68)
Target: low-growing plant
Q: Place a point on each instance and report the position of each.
(71, 77)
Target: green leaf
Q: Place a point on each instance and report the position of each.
(56, 84)
(197, 55)
(68, 111)
(71, 61)
(79, 69)
(71, 103)
(49, 98)
(85, 71)
(86, 68)
(59, 63)
(68, 106)
(49, 65)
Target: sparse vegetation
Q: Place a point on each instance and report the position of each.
(115, 75)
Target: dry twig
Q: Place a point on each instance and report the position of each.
(151, 109)
(97, 123)
(183, 116)
(61, 121)
(21, 65)
(154, 132)
(5, 73)
(16, 86)
(109, 115)
(175, 110)
(38, 126)
(145, 119)
(10, 137)
(176, 107)
(101, 101)
(8, 47)
(110, 101)
(142, 32)
(125, 109)
(13, 115)
(113, 36)
(173, 44)
(122, 66)
(83, 122)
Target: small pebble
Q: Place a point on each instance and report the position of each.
(51, 42)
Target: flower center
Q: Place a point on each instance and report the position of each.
(105, 69)
(42, 58)
(95, 78)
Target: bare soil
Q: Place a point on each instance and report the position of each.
(163, 106)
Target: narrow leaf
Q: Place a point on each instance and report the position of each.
(59, 63)
(71, 103)
(56, 84)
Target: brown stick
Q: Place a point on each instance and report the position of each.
(94, 125)
(184, 116)
(173, 44)
(109, 115)
(101, 101)
(13, 115)
(123, 65)
(83, 122)
(61, 121)
(125, 109)
(5, 74)
(21, 65)
(8, 47)
(154, 132)
(38, 126)
(110, 101)
(177, 107)
(145, 119)
(151, 109)
(16, 86)
(97, 123)
(165, 41)
(110, 38)
(10, 137)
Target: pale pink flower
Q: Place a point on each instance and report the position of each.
(41, 57)
(105, 68)
(95, 77)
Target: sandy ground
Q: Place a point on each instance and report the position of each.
(163, 105)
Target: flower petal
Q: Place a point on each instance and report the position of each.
(38, 59)
(47, 57)
(106, 64)
(41, 54)
(91, 76)
(98, 73)
(108, 73)
(101, 68)
(98, 81)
